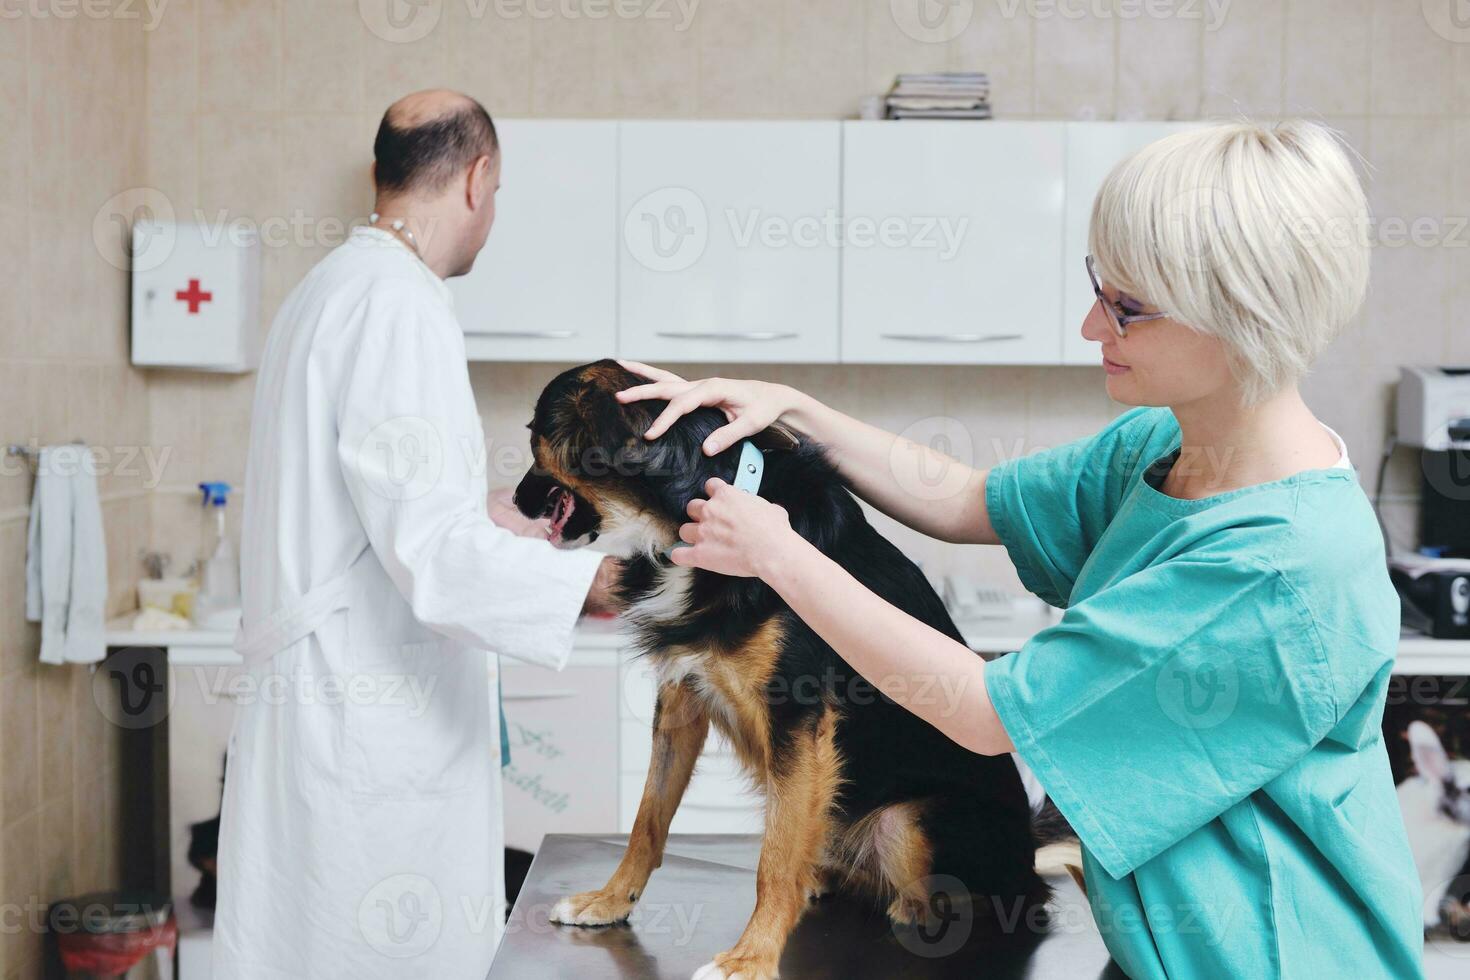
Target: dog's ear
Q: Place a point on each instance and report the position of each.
(1430, 758)
(620, 427)
(662, 467)
(623, 434)
(776, 438)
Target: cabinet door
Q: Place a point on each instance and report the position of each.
(720, 798)
(545, 286)
(201, 716)
(1093, 150)
(953, 248)
(563, 772)
(730, 241)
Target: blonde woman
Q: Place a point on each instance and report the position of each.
(1207, 712)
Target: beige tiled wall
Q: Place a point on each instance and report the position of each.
(71, 125)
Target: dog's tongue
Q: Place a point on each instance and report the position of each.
(562, 503)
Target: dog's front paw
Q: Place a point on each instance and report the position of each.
(599, 908)
(727, 966)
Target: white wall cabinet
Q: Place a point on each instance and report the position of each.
(964, 265)
(793, 242)
(728, 241)
(545, 286)
(1093, 150)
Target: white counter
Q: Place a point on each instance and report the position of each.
(1425, 655)
(596, 640)
(599, 642)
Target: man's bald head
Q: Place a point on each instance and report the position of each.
(427, 139)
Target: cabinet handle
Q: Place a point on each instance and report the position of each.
(738, 335)
(539, 695)
(951, 338)
(526, 334)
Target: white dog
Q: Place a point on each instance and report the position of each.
(1436, 808)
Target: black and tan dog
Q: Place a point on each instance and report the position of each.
(858, 791)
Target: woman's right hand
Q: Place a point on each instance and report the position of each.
(749, 406)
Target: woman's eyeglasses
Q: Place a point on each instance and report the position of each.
(1117, 313)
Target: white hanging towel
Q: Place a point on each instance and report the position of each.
(66, 557)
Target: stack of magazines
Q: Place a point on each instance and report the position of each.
(940, 95)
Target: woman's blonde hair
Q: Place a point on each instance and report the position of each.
(1255, 234)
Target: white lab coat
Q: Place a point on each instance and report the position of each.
(362, 832)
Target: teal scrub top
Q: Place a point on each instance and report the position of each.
(1208, 711)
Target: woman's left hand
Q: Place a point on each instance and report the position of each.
(734, 532)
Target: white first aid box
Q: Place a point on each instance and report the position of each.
(196, 296)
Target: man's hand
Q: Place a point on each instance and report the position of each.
(504, 513)
(602, 598)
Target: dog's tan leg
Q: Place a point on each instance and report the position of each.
(680, 724)
(799, 794)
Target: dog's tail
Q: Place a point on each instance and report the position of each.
(1058, 848)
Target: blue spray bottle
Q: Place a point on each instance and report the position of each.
(218, 603)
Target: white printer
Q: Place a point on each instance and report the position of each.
(1434, 407)
(1434, 416)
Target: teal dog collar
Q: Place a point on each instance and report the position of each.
(748, 473)
(750, 469)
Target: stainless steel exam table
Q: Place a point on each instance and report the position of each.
(698, 902)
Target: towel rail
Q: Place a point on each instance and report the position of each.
(32, 452)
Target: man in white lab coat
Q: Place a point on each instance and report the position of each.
(361, 830)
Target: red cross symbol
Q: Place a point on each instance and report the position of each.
(193, 296)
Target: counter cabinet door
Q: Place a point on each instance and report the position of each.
(544, 288)
(953, 242)
(563, 772)
(729, 236)
(719, 799)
